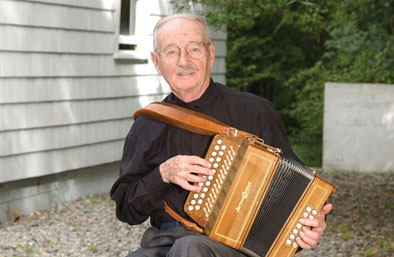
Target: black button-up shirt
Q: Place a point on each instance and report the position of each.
(139, 192)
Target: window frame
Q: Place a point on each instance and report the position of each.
(126, 46)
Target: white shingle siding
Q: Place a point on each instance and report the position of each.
(65, 102)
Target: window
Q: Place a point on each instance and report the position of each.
(127, 25)
(127, 41)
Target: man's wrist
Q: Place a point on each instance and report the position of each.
(162, 173)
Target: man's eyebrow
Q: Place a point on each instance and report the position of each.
(175, 45)
(170, 45)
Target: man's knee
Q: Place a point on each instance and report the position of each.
(193, 246)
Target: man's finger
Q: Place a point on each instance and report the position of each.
(326, 209)
(195, 160)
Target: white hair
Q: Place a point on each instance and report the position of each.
(180, 15)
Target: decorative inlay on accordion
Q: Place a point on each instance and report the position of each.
(255, 198)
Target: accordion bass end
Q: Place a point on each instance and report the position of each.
(256, 197)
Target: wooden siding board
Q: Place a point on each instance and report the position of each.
(26, 90)
(96, 4)
(46, 114)
(56, 16)
(50, 162)
(30, 39)
(69, 65)
(44, 139)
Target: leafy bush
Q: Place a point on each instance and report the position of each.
(286, 50)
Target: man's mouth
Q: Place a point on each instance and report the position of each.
(186, 73)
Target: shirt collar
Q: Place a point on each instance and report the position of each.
(201, 104)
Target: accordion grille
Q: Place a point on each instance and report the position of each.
(286, 188)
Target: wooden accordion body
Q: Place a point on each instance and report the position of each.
(256, 197)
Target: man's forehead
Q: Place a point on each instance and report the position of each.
(180, 31)
(178, 39)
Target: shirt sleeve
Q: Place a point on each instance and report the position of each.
(134, 190)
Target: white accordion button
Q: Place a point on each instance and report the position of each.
(314, 212)
(221, 153)
(208, 183)
(299, 226)
(202, 195)
(201, 184)
(219, 141)
(197, 207)
(205, 189)
(211, 159)
(214, 154)
(190, 208)
(199, 201)
(292, 236)
(195, 196)
(215, 165)
(305, 214)
(224, 147)
(295, 245)
(288, 242)
(311, 217)
(308, 209)
(193, 201)
(217, 148)
(295, 231)
(210, 177)
(218, 159)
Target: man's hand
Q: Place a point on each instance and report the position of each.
(313, 228)
(182, 169)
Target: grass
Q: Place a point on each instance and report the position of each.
(47, 239)
(94, 200)
(30, 250)
(92, 248)
(370, 251)
(311, 155)
(345, 231)
(386, 244)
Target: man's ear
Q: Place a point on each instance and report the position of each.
(155, 60)
(212, 53)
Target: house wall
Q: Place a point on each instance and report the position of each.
(66, 99)
(358, 127)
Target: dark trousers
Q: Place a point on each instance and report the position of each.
(176, 241)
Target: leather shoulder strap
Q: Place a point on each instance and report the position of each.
(187, 224)
(186, 119)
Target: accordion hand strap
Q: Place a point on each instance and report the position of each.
(187, 224)
(186, 119)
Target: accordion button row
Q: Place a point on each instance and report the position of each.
(309, 213)
(210, 188)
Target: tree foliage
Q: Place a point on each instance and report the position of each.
(285, 50)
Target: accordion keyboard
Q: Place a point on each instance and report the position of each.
(221, 154)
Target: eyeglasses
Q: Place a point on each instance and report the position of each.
(195, 50)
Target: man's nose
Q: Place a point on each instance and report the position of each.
(183, 58)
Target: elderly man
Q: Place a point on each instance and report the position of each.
(160, 161)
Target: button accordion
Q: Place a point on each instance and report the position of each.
(255, 198)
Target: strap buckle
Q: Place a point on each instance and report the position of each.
(230, 131)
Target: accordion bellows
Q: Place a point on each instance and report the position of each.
(255, 198)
